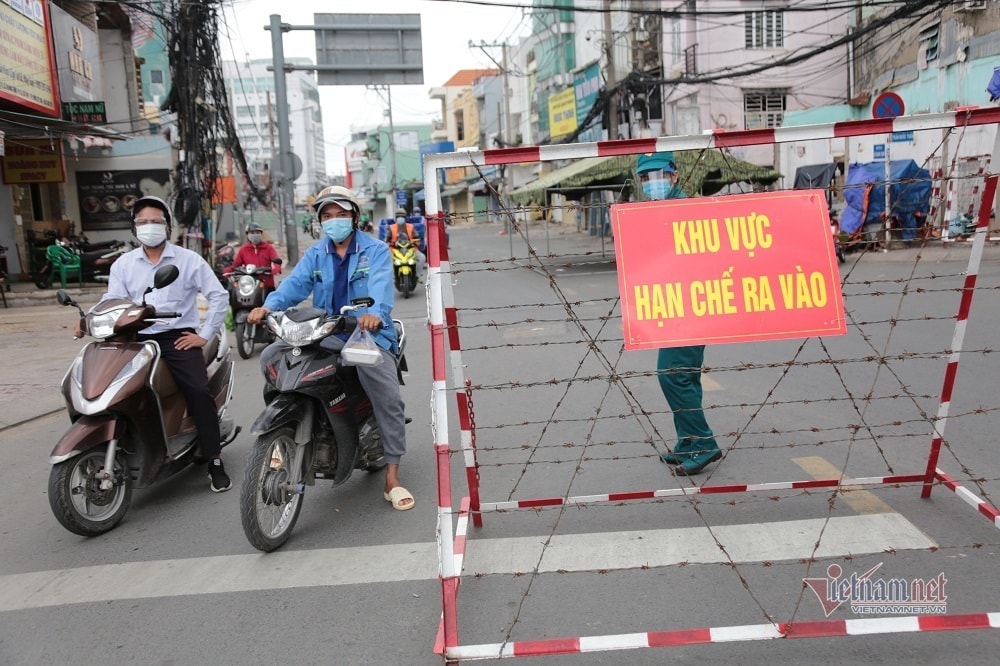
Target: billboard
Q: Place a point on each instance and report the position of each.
(106, 197)
(562, 113)
(27, 65)
(29, 161)
(741, 268)
(368, 49)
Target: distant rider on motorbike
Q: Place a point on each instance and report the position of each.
(341, 267)
(402, 228)
(258, 252)
(180, 339)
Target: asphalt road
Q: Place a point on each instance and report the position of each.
(357, 583)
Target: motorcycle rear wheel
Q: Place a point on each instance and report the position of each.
(244, 339)
(268, 509)
(77, 500)
(43, 277)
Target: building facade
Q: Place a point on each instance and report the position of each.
(251, 92)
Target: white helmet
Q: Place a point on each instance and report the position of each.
(341, 196)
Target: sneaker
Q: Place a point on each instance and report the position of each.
(220, 480)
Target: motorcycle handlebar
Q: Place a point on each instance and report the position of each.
(166, 315)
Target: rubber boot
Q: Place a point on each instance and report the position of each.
(698, 460)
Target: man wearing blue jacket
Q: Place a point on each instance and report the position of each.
(343, 266)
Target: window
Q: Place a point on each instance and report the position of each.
(928, 39)
(763, 108)
(244, 111)
(156, 76)
(764, 29)
(407, 140)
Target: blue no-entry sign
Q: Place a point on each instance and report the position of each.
(888, 105)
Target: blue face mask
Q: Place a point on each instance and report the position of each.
(338, 228)
(657, 189)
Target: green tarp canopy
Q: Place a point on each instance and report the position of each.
(702, 172)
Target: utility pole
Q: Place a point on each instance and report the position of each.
(390, 202)
(284, 141)
(609, 47)
(271, 185)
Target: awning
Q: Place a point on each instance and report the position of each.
(33, 126)
(583, 172)
(452, 191)
(702, 172)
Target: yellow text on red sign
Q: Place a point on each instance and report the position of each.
(741, 268)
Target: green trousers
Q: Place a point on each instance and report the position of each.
(678, 370)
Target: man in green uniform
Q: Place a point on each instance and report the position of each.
(678, 369)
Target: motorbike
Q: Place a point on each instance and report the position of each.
(404, 266)
(837, 245)
(315, 229)
(247, 291)
(318, 423)
(224, 256)
(130, 426)
(95, 259)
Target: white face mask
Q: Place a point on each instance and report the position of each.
(151, 235)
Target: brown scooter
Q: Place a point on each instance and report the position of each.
(130, 422)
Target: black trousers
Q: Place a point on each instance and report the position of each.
(187, 367)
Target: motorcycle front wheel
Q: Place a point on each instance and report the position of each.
(244, 339)
(268, 507)
(77, 499)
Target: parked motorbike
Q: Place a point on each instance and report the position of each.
(247, 290)
(318, 422)
(130, 422)
(404, 266)
(837, 245)
(95, 259)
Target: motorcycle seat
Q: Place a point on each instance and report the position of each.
(211, 349)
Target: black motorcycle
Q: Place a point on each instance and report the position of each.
(94, 259)
(247, 290)
(318, 422)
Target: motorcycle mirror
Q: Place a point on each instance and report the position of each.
(366, 301)
(163, 276)
(64, 298)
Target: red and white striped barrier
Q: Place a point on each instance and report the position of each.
(443, 322)
(752, 632)
(958, 338)
(688, 491)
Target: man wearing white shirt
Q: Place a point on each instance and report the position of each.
(180, 339)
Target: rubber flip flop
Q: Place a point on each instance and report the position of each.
(396, 496)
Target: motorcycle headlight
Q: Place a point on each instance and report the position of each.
(246, 285)
(102, 325)
(300, 333)
(142, 357)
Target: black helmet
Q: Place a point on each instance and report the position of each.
(154, 202)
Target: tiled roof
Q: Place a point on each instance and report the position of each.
(465, 77)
